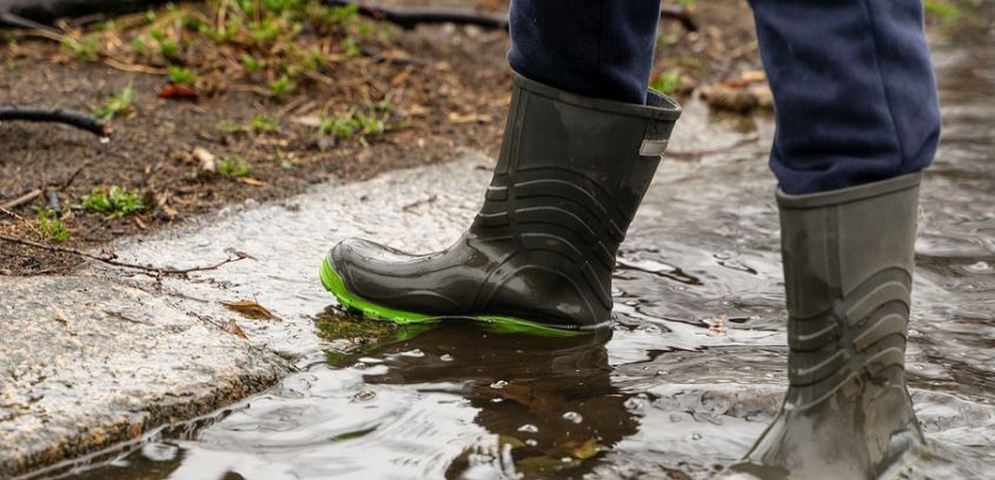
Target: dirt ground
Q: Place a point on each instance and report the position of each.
(439, 90)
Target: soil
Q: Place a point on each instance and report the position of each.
(446, 90)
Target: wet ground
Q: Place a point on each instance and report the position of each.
(691, 374)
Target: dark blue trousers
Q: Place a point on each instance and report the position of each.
(854, 92)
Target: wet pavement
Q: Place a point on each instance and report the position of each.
(689, 377)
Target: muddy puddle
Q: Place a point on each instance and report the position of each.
(689, 377)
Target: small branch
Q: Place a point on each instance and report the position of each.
(68, 117)
(17, 202)
(117, 263)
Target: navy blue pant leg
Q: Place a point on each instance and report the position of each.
(595, 48)
(854, 91)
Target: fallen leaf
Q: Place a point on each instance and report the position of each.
(249, 309)
(457, 118)
(233, 328)
(206, 160)
(753, 76)
(252, 181)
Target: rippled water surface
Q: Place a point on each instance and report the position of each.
(691, 374)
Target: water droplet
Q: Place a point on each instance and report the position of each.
(446, 357)
(528, 428)
(364, 396)
(573, 417)
(499, 384)
(105, 140)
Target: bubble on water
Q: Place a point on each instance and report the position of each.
(528, 428)
(696, 436)
(105, 140)
(499, 384)
(573, 417)
(662, 372)
(364, 396)
(446, 357)
(416, 353)
(531, 442)
(497, 400)
(634, 404)
(360, 366)
(160, 452)
(979, 267)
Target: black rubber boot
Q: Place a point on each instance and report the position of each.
(848, 259)
(540, 253)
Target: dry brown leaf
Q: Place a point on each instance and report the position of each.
(469, 118)
(249, 309)
(252, 181)
(206, 160)
(233, 328)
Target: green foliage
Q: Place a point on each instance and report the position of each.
(50, 226)
(120, 102)
(668, 82)
(169, 48)
(366, 124)
(233, 167)
(943, 10)
(182, 75)
(264, 124)
(114, 201)
(84, 48)
(139, 45)
(280, 87)
(252, 64)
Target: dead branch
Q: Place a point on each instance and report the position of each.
(59, 115)
(149, 270)
(17, 202)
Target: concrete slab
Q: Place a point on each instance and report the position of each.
(86, 362)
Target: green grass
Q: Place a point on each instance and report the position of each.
(281, 87)
(182, 75)
(114, 201)
(668, 82)
(121, 102)
(84, 48)
(943, 10)
(365, 124)
(50, 225)
(233, 167)
(264, 124)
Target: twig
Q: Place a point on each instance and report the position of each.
(17, 202)
(68, 117)
(117, 263)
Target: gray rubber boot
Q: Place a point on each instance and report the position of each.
(848, 259)
(540, 253)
